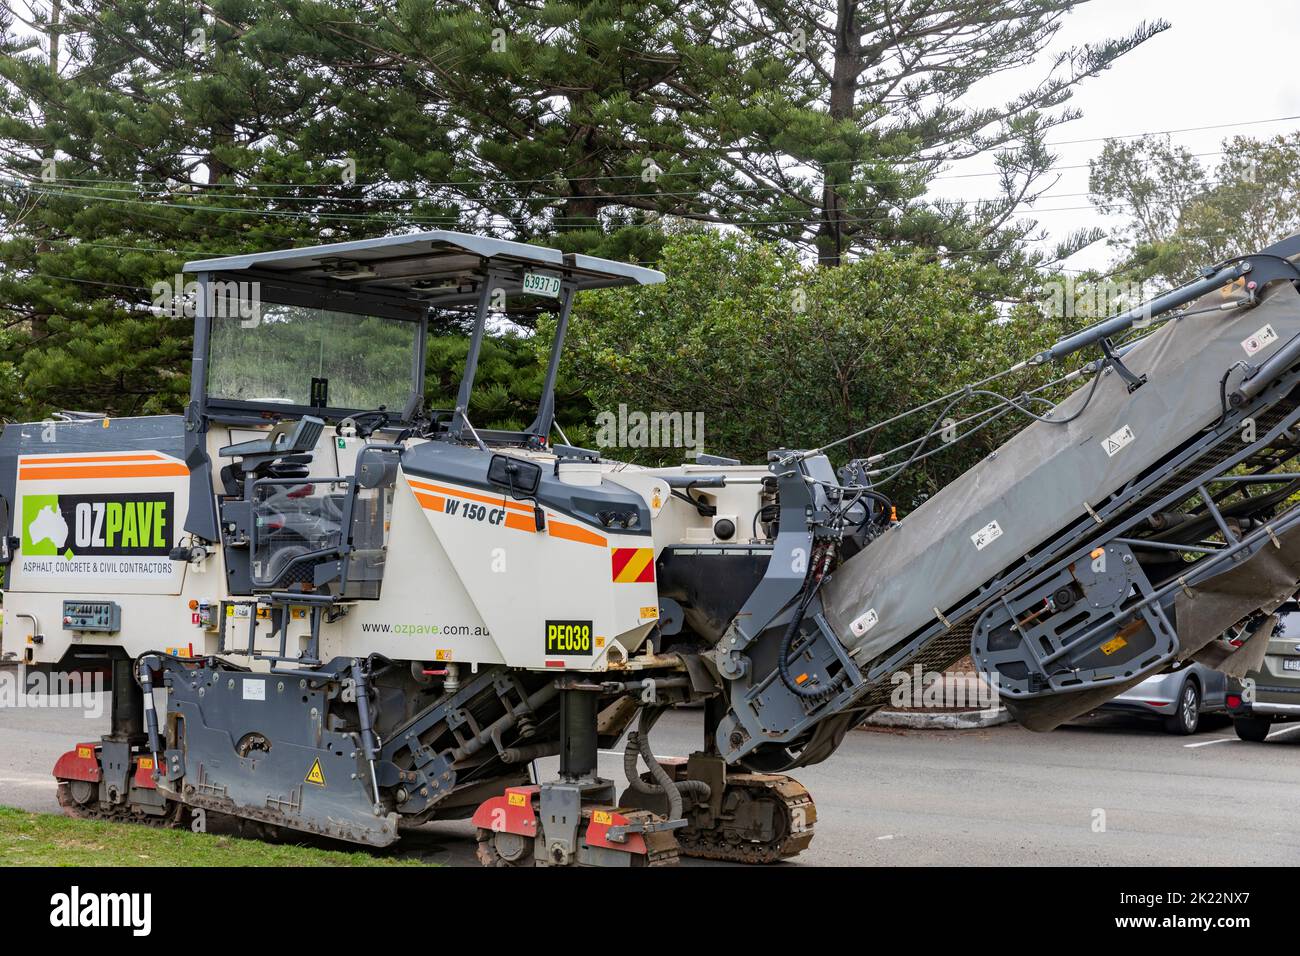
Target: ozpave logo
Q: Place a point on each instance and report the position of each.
(97, 524)
(75, 909)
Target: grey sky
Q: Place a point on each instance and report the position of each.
(1218, 63)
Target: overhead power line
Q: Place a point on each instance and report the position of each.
(561, 177)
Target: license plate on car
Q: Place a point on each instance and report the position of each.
(1291, 664)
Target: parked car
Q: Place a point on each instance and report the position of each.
(1178, 697)
(1271, 694)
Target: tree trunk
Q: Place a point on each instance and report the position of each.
(41, 318)
(844, 88)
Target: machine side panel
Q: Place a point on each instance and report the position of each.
(97, 506)
(577, 594)
(559, 597)
(425, 612)
(161, 433)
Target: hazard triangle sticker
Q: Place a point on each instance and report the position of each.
(315, 775)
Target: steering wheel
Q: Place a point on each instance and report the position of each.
(366, 423)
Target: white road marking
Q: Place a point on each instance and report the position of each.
(619, 753)
(27, 781)
(1228, 740)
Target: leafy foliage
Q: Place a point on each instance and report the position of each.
(140, 134)
(777, 353)
(1182, 215)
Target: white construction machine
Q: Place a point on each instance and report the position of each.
(328, 609)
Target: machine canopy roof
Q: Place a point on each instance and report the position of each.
(440, 268)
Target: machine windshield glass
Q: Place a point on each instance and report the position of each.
(359, 362)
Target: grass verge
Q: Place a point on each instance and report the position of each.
(44, 839)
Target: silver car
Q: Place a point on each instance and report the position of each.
(1178, 697)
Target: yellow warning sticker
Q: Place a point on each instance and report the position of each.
(315, 775)
(649, 613)
(518, 799)
(602, 817)
(442, 654)
(1114, 644)
(146, 763)
(264, 613)
(85, 753)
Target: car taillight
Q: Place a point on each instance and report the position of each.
(1234, 700)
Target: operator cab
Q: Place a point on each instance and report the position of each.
(311, 362)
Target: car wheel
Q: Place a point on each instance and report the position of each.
(1187, 718)
(1254, 729)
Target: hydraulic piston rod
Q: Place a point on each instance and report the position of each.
(1147, 310)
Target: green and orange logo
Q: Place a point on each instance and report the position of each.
(97, 524)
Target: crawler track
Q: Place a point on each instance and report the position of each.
(795, 814)
(176, 817)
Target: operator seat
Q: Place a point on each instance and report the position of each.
(286, 452)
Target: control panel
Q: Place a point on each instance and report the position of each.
(92, 616)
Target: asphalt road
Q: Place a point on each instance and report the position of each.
(1111, 791)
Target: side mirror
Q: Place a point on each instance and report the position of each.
(519, 477)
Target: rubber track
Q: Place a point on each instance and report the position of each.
(795, 801)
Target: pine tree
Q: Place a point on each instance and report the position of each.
(138, 134)
(143, 133)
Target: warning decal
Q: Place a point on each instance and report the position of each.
(315, 775)
(633, 565)
(1260, 340)
(1118, 440)
(864, 623)
(1113, 645)
(986, 535)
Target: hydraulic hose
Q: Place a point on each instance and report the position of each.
(787, 641)
(638, 745)
(783, 655)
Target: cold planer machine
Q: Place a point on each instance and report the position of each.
(379, 615)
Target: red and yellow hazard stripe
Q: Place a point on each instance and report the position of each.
(70, 467)
(633, 565)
